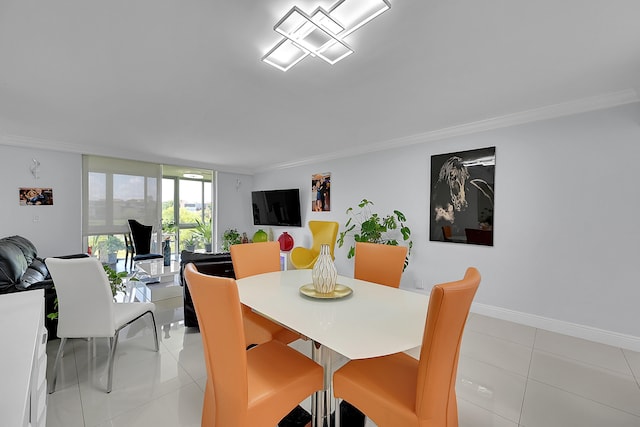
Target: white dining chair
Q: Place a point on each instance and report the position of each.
(86, 308)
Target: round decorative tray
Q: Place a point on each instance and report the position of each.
(340, 291)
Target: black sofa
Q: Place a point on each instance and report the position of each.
(22, 270)
(207, 263)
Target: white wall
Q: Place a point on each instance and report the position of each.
(56, 229)
(234, 204)
(566, 220)
(566, 227)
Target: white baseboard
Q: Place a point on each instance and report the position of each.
(615, 339)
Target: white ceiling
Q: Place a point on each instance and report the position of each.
(182, 79)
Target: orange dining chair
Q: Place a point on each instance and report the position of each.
(398, 390)
(446, 233)
(322, 232)
(378, 263)
(479, 237)
(256, 387)
(250, 259)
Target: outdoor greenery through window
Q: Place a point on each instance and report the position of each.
(115, 190)
(187, 208)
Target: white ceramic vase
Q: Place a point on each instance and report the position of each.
(324, 273)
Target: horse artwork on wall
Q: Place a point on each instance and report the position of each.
(462, 195)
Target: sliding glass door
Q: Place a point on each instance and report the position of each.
(187, 209)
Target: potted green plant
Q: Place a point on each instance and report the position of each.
(115, 279)
(366, 226)
(190, 242)
(204, 231)
(111, 245)
(168, 227)
(230, 237)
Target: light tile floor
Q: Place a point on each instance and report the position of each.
(509, 375)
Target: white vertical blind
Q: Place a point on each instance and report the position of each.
(115, 190)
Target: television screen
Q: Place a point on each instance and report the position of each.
(276, 207)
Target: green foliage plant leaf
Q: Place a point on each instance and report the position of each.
(374, 228)
(230, 237)
(204, 230)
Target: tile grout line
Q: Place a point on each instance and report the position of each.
(587, 399)
(526, 383)
(626, 359)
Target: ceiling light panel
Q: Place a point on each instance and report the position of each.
(285, 55)
(320, 34)
(353, 14)
(298, 27)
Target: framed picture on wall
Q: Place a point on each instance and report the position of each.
(321, 192)
(462, 197)
(35, 196)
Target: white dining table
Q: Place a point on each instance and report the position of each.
(374, 320)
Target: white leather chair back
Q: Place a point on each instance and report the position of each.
(85, 300)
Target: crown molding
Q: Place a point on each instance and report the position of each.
(594, 103)
(54, 145)
(584, 105)
(39, 143)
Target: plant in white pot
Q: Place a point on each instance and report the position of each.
(204, 231)
(190, 242)
(109, 248)
(364, 225)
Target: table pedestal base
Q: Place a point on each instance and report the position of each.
(321, 400)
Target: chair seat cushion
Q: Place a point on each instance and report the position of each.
(274, 369)
(378, 384)
(124, 313)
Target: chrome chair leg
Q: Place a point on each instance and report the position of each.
(336, 413)
(112, 353)
(155, 330)
(52, 386)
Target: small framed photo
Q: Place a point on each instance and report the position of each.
(32, 196)
(321, 192)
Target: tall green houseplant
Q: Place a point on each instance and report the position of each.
(205, 230)
(367, 226)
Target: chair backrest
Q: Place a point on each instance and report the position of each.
(446, 232)
(479, 237)
(85, 300)
(250, 259)
(449, 306)
(141, 235)
(128, 242)
(324, 232)
(217, 305)
(378, 263)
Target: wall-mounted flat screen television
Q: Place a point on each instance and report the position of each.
(276, 207)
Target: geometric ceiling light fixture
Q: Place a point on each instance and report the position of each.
(321, 33)
(315, 38)
(285, 55)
